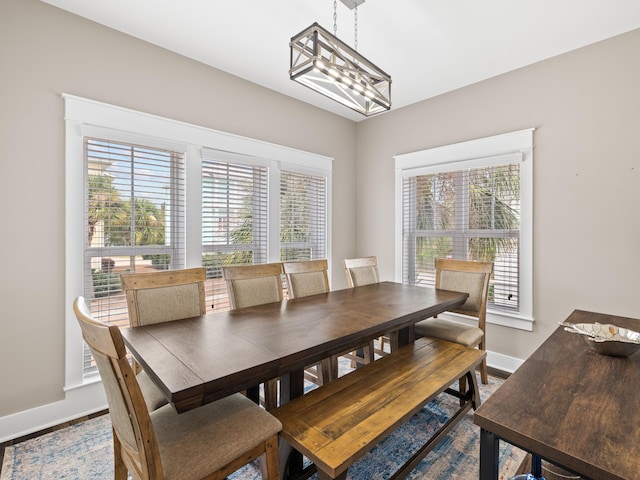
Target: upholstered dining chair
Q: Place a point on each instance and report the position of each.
(472, 278)
(156, 297)
(364, 271)
(250, 285)
(304, 278)
(162, 296)
(210, 442)
(361, 271)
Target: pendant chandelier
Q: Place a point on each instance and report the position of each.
(324, 63)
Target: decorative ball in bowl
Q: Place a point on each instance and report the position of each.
(606, 339)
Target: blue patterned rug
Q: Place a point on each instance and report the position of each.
(84, 451)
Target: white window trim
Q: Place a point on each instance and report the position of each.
(499, 147)
(89, 117)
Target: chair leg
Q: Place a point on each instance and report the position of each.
(363, 355)
(313, 374)
(270, 461)
(353, 356)
(381, 341)
(120, 471)
(484, 373)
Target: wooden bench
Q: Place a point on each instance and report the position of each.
(336, 424)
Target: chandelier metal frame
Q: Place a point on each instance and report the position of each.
(324, 63)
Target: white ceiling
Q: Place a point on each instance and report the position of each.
(429, 47)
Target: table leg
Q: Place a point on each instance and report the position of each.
(402, 337)
(536, 466)
(253, 393)
(489, 455)
(291, 386)
(329, 369)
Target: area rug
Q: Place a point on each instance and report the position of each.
(84, 451)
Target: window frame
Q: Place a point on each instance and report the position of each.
(496, 149)
(85, 117)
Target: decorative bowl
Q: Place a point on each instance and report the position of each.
(606, 339)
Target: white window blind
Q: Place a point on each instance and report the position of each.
(234, 221)
(469, 214)
(134, 221)
(303, 216)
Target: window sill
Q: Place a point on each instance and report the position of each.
(511, 320)
(504, 319)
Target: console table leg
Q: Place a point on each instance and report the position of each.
(489, 455)
(536, 466)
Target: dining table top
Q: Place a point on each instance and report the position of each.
(571, 406)
(201, 359)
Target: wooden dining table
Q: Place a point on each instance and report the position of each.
(198, 360)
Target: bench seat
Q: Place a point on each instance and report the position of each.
(336, 424)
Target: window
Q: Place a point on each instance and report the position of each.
(236, 208)
(133, 219)
(471, 201)
(148, 193)
(303, 212)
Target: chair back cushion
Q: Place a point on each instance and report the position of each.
(307, 283)
(471, 283)
(163, 304)
(118, 412)
(364, 276)
(255, 291)
(155, 297)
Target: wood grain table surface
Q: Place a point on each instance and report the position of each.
(571, 406)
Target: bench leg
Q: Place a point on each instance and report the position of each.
(462, 388)
(473, 389)
(468, 388)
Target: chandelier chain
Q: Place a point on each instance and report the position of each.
(335, 18)
(355, 27)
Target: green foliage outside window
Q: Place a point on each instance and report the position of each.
(105, 283)
(126, 222)
(491, 193)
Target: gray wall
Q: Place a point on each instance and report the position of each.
(585, 106)
(44, 52)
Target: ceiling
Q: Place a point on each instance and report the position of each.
(429, 47)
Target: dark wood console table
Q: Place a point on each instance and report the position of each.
(570, 406)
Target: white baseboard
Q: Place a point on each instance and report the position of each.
(503, 362)
(77, 403)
